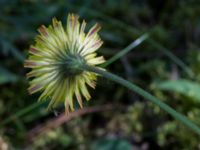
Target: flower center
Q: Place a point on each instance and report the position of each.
(73, 65)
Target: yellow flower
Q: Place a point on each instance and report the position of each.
(56, 58)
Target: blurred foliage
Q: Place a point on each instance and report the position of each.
(137, 124)
(184, 87)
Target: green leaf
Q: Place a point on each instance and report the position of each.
(184, 87)
(111, 144)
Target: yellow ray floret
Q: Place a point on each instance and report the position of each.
(50, 59)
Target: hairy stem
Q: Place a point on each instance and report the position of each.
(146, 95)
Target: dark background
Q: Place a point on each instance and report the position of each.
(115, 118)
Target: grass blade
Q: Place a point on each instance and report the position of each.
(124, 51)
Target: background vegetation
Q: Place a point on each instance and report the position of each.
(166, 64)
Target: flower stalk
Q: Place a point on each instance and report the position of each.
(146, 95)
(64, 62)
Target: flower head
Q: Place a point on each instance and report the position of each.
(56, 59)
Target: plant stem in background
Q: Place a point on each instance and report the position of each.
(124, 51)
(134, 31)
(179, 62)
(146, 95)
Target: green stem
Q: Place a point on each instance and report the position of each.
(146, 95)
(173, 57)
(134, 31)
(126, 50)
